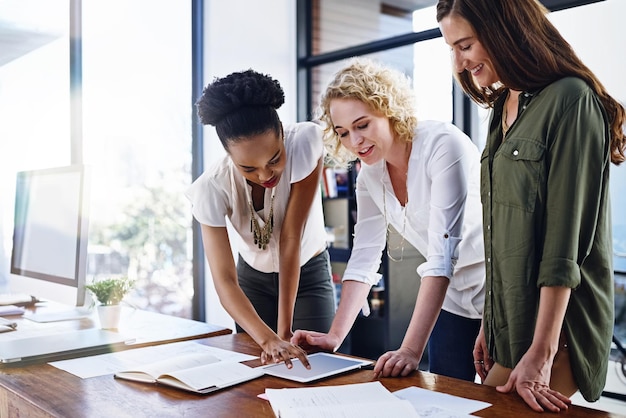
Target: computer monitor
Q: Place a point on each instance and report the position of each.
(50, 234)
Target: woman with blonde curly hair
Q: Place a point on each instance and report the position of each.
(423, 179)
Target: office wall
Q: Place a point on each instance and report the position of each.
(240, 35)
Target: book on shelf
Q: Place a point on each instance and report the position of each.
(335, 182)
(195, 372)
(330, 182)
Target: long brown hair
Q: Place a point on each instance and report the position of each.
(528, 53)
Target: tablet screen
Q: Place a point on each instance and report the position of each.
(322, 365)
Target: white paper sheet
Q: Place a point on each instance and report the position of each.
(424, 400)
(359, 400)
(103, 364)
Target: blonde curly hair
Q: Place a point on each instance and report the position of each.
(383, 89)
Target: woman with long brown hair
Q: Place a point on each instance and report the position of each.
(553, 132)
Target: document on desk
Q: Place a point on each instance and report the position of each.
(111, 363)
(358, 400)
(428, 400)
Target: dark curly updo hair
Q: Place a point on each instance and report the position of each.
(240, 105)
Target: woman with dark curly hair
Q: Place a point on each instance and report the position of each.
(267, 188)
(553, 133)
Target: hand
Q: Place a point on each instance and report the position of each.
(531, 379)
(311, 339)
(397, 363)
(482, 361)
(277, 351)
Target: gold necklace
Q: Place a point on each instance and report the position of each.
(263, 234)
(505, 126)
(401, 245)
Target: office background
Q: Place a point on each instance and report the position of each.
(112, 84)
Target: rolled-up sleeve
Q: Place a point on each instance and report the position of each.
(449, 170)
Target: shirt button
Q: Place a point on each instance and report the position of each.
(489, 259)
(516, 152)
(445, 236)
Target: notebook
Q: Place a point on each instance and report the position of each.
(50, 347)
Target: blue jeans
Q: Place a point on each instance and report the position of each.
(451, 344)
(315, 301)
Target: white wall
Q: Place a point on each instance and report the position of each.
(240, 35)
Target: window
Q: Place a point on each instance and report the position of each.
(137, 138)
(34, 99)
(131, 122)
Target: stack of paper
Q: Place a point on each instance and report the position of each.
(359, 400)
(368, 400)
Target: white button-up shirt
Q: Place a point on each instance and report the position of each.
(220, 194)
(443, 216)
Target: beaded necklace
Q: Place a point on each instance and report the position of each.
(263, 234)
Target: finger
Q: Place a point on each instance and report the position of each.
(282, 355)
(507, 387)
(313, 339)
(480, 370)
(264, 358)
(390, 367)
(561, 397)
(382, 360)
(554, 398)
(399, 368)
(408, 369)
(288, 363)
(487, 363)
(548, 400)
(301, 355)
(295, 338)
(530, 398)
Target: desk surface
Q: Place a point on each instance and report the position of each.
(44, 391)
(141, 327)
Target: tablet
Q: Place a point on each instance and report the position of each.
(322, 365)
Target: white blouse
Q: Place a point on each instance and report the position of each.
(443, 216)
(219, 194)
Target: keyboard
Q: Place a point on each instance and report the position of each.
(54, 316)
(17, 299)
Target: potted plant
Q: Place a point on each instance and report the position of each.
(109, 293)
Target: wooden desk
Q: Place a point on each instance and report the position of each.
(44, 391)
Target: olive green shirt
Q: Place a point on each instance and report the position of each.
(547, 222)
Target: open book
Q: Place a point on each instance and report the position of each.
(194, 372)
